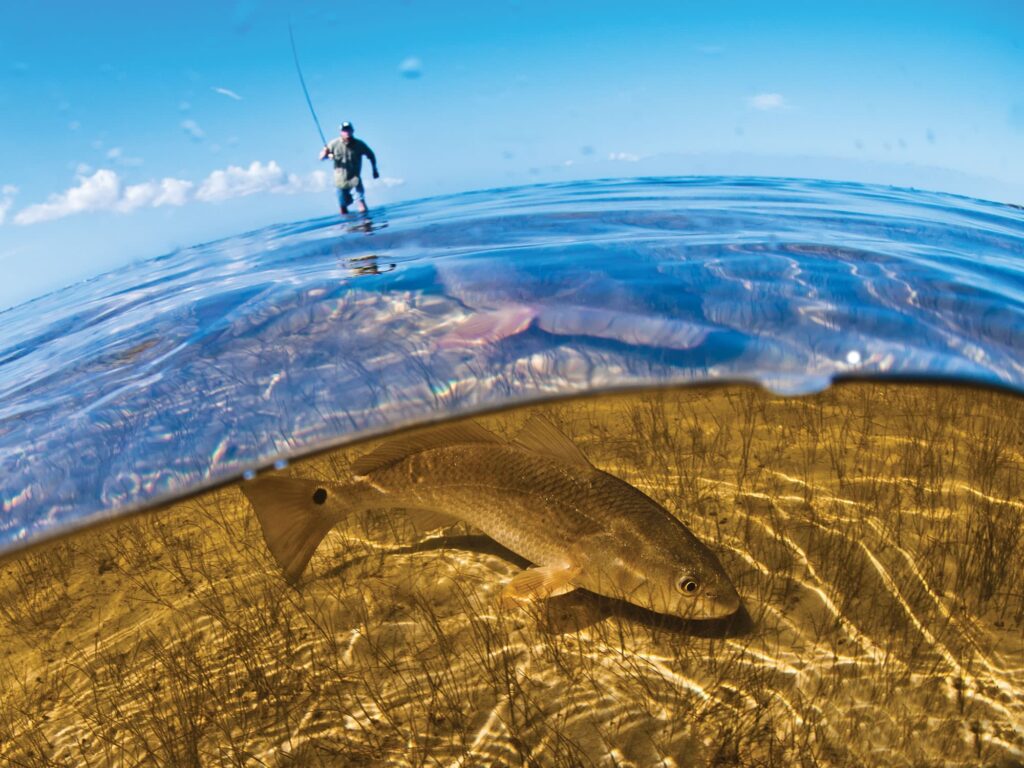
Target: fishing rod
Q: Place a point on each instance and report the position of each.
(305, 90)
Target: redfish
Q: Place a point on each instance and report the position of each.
(537, 495)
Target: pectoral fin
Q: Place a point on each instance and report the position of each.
(539, 583)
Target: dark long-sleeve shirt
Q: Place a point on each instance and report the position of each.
(348, 160)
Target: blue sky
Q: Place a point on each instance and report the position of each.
(128, 129)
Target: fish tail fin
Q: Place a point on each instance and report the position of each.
(295, 516)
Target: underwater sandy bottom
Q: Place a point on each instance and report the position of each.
(874, 532)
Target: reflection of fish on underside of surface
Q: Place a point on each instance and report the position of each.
(497, 312)
(538, 496)
(488, 327)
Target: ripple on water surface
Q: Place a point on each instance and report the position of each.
(189, 369)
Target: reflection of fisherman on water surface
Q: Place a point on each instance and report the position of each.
(367, 265)
(347, 152)
(366, 224)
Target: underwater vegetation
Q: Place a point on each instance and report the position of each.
(874, 532)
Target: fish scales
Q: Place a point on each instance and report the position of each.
(530, 504)
(538, 496)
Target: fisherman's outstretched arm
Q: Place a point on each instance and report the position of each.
(373, 159)
(324, 153)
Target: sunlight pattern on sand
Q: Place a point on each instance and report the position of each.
(874, 532)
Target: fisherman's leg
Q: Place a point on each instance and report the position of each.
(360, 196)
(342, 204)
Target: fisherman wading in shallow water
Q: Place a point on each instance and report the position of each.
(347, 153)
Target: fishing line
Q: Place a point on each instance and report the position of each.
(305, 90)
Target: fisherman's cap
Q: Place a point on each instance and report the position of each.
(346, 126)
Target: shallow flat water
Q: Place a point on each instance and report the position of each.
(874, 532)
(190, 369)
(874, 529)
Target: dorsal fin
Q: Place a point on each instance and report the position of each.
(541, 436)
(393, 451)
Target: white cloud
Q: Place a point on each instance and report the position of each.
(411, 68)
(317, 181)
(227, 92)
(103, 190)
(7, 193)
(93, 193)
(173, 192)
(235, 181)
(627, 157)
(136, 196)
(766, 101)
(386, 181)
(118, 156)
(167, 191)
(191, 127)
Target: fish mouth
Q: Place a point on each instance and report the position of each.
(726, 604)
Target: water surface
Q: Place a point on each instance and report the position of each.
(190, 369)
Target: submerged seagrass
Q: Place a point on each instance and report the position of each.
(537, 495)
(875, 532)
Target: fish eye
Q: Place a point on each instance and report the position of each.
(319, 496)
(688, 586)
